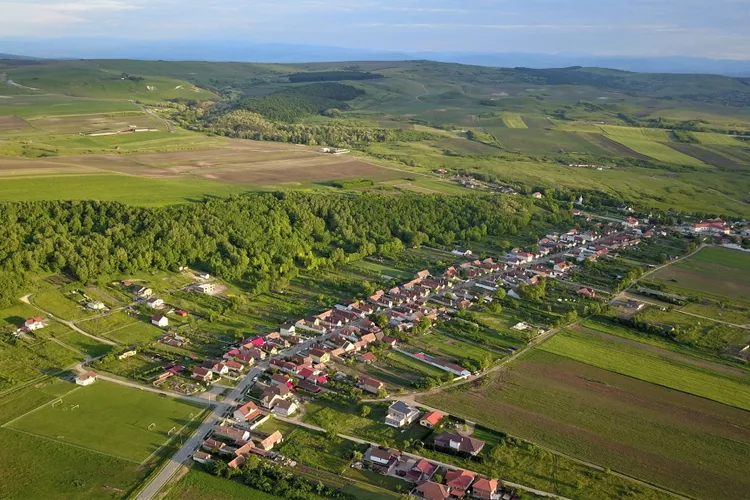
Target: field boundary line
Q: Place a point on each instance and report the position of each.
(174, 437)
(80, 447)
(9, 422)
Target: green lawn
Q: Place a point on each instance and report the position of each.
(110, 419)
(725, 257)
(650, 367)
(136, 333)
(84, 344)
(200, 485)
(104, 324)
(60, 304)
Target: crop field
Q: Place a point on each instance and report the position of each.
(402, 362)
(74, 124)
(717, 271)
(538, 142)
(200, 485)
(650, 367)
(628, 425)
(84, 344)
(12, 123)
(513, 120)
(657, 150)
(636, 133)
(708, 156)
(109, 419)
(444, 346)
(37, 106)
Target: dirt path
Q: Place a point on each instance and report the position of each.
(26, 299)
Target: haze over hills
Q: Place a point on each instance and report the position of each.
(244, 51)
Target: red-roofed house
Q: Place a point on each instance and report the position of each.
(586, 292)
(484, 488)
(421, 471)
(431, 419)
(371, 385)
(280, 379)
(366, 357)
(458, 481)
(247, 412)
(34, 323)
(630, 222)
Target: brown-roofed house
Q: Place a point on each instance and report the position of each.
(366, 357)
(458, 442)
(320, 355)
(430, 490)
(371, 385)
(271, 440)
(247, 412)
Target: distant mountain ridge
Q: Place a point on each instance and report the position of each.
(244, 51)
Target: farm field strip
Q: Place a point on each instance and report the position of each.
(513, 120)
(635, 427)
(657, 150)
(650, 367)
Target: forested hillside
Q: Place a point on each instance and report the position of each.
(256, 239)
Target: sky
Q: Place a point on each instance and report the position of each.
(701, 28)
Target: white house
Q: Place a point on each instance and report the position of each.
(155, 303)
(630, 222)
(464, 252)
(34, 323)
(401, 414)
(160, 321)
(207, 288)
(96, 306)
(87, 378)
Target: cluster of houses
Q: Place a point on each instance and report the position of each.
(711, 226)
(236, 444)
(455, 483)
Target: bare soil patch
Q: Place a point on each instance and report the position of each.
(12, 123)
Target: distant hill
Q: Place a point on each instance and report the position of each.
(17, 57)
(243, 51)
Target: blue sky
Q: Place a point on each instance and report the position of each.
(707, 28)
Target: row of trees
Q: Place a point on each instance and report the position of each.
(258, 239)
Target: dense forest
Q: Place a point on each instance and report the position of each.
(291, 104)
(255, 240)
(332, 76)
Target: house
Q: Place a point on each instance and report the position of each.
(371, 385)
(367, 357)
(213, 446)
(181, 313)
(247, 412)
(401, 414)
(431, 419)
(238, 462)
(86, 378)
(484, 488)
(561, 266)
(308, 386)
(127, 354)
(630, 222)
(430, 490)
(202, 374)
(285, 408)
(207, 288)
(424, 274)
(235, 366)
(155, 303)
(142, 292)
(422, 470)
(282, 380)
(272, 395)
(390, 341)
(271, 440)
(233, 433)
(320, 355)
(160, 321)
(463, 252)
(202, 457)
(458, 481)
(96, 306)
(383, 457)
(714, 226)
(35, 323)
(204, 276)
(288, 329)
(587, 292)
(457, 442)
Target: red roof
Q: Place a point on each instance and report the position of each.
(368, 356)
(434, 417)
(460, 479)
(181, 313)
(485, 485)
(306, 373)
(322, 379)
(424, 467)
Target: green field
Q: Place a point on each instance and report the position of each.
(650, 367)
(715, 271)
(513, 120)
(656, 150)
(200, 485)
(137, 333)
(25, 360)
(61, 304)
(631, 426)
(109, 419)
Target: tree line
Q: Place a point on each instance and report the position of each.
(257, 240)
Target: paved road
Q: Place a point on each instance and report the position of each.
(234, 398)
